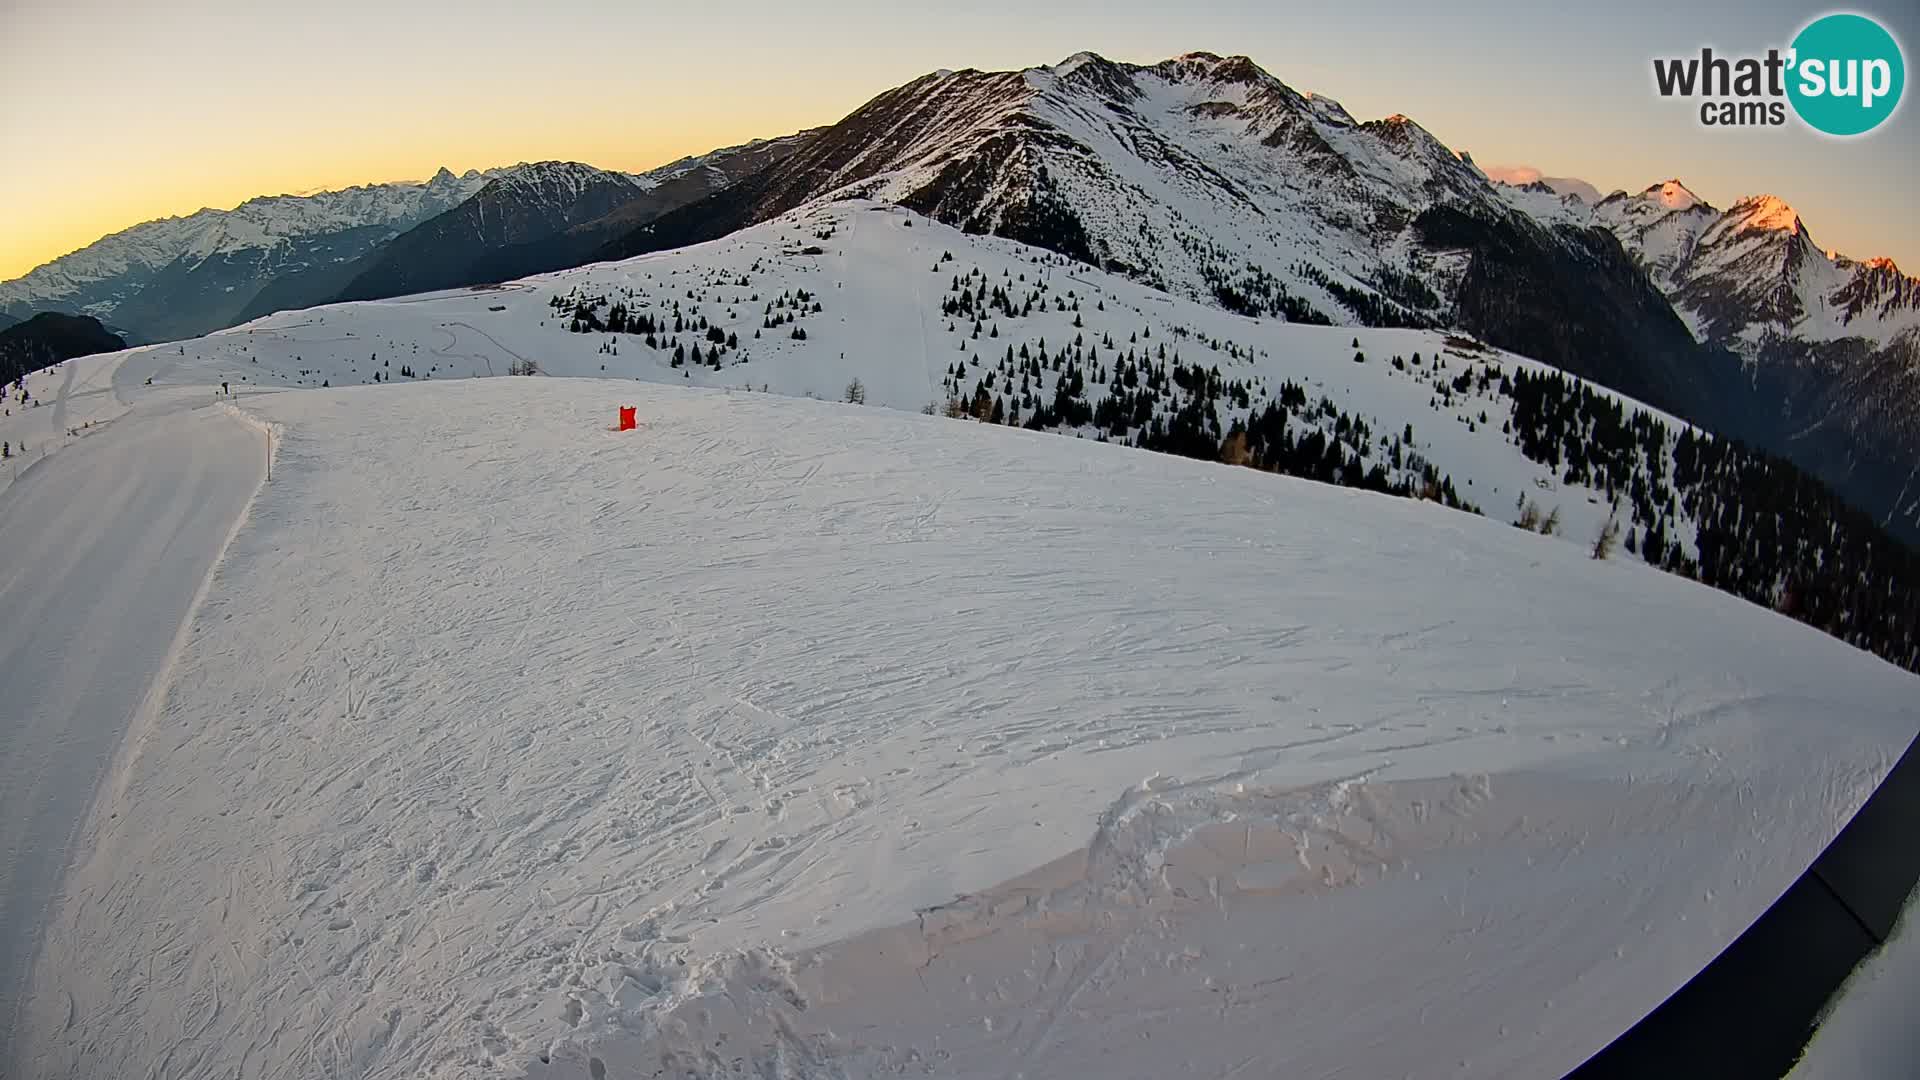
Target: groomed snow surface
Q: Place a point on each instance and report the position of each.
(107, 543)
(786, 738)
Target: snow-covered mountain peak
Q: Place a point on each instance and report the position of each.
(1075, 62)
(1551, 205)
(1403, 132)
(724, 165)
(1654, 201)
(564, 178)
(1877, 265)
(1768, 212)
(1206, 81)
(269, 234)
(1225, 69)
(1673, 195)
(1202, 174)
(1752, 275)
(1084, 72)
(1240, 80)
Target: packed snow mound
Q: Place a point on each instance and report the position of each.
(808, 303)
(799, 738)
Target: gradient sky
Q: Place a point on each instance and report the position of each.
(115, 112)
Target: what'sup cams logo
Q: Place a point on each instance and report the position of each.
(1842, 75)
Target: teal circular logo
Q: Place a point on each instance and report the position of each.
(1847, 74)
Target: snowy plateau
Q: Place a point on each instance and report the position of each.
(795, 738)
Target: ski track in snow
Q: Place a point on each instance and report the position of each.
(107, 545)
(810, 740)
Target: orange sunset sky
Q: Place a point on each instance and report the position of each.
(115, 113)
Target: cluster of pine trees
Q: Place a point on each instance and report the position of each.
(1153, 399)
(686, 334)
(1372, 308)
(1251, 290)
(969, 299)
(1762, 529)
(788, 308)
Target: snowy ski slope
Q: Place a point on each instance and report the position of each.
(790, 738)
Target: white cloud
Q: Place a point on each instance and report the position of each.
(1527, 174)
(1512, 174)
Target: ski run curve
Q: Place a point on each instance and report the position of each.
(108, 543)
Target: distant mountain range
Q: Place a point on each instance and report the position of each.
(520, 205)
(185, 276)
(546, 217)
(1828, 346)
(1202, 176)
